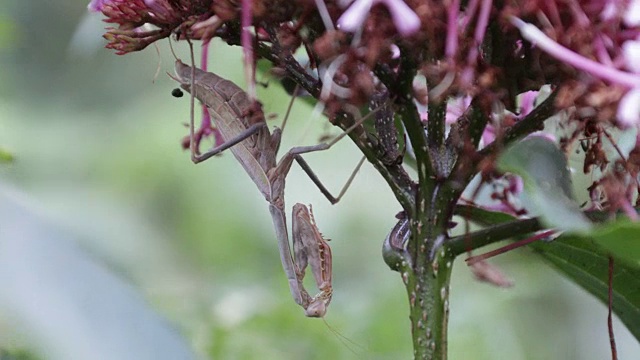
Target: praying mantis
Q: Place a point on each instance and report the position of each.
(242, 125)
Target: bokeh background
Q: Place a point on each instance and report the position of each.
(113, 245)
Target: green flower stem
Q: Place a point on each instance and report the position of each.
(427, 282)
(477, 239)
(436, 124)
(534, 121)
(400, 88)
(428, 291)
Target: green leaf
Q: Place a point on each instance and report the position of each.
(5, 156)
(587, 264)
(621, 238)
(584, 261)
(482, 216)
(547, 181)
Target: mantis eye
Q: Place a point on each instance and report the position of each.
(177, 93)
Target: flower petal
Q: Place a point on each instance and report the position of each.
(632, 15)
(631, 51)
(96, 5)
(404, 18)
(527, 102)
(355, 15)
(629, 108)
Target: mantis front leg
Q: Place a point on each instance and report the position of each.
(310, 248)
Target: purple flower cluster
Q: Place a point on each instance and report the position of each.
(142, 22)
(479, 56)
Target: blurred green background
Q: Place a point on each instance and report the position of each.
(97, 156)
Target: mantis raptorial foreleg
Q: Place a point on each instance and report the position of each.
(243, 127)
(310, 248)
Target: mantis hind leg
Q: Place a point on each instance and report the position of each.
(333, 200)
(296, 152)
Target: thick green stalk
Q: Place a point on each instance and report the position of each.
(428, 291)
(427, 276)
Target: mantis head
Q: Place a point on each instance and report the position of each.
(318, 306)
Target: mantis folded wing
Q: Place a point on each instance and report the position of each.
(243, 127)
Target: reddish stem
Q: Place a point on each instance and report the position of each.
(247, 47)
(474, 259)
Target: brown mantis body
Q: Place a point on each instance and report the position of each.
(242, 124)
